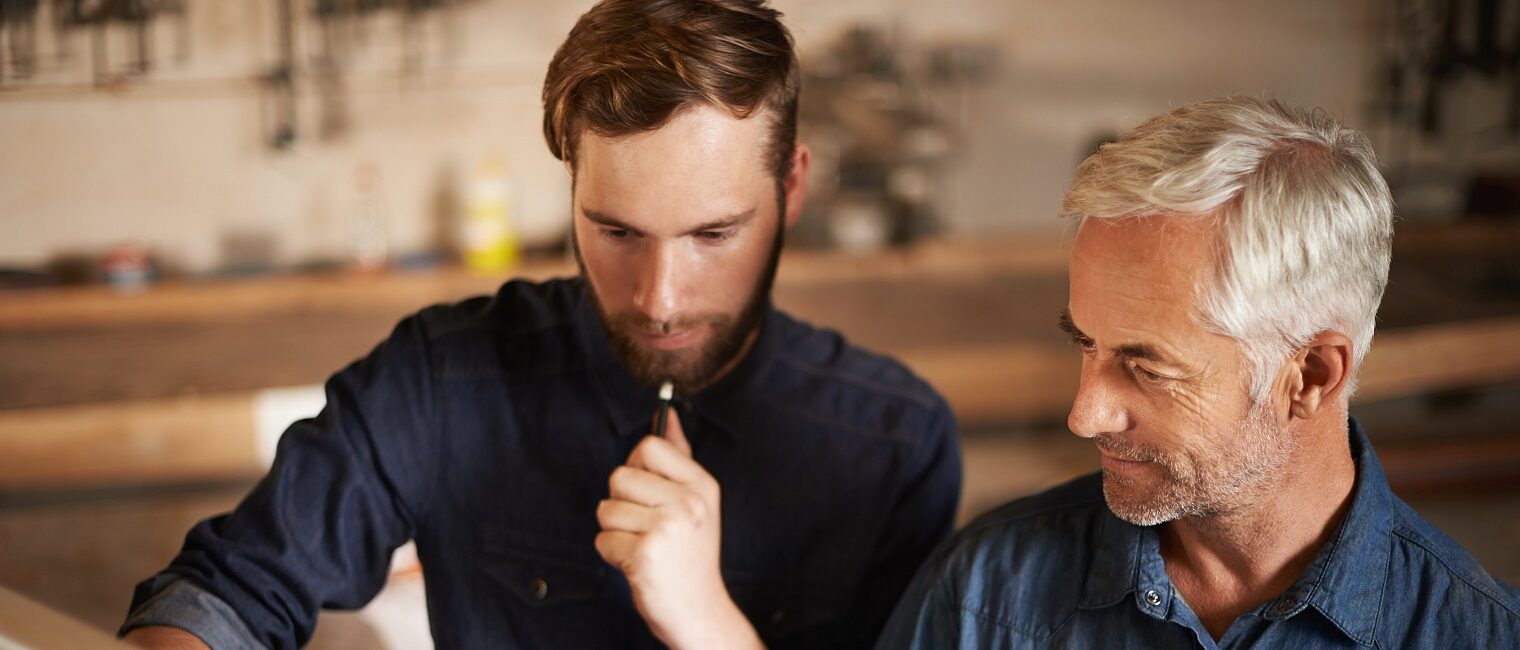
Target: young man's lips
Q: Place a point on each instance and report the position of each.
(1116, 464)
(671, 341)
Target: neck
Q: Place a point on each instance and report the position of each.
(1226, 564)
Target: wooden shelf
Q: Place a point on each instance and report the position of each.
(100, 387)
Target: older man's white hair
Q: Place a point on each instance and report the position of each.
(1305, 218)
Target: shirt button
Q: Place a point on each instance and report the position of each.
(1153, 597)
(540, 589)
(778, 617)
(1284, 606)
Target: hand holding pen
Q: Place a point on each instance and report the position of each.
(662, 527)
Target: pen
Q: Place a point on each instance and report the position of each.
(667, 393)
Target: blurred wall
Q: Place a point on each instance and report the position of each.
(179, 161)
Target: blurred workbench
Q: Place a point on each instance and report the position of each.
(102, 388)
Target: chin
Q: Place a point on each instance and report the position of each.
(1138, 504)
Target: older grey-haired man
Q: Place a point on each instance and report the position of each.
(1224, 282)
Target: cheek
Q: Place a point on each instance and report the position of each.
(611, 270)
(729, 275)
(1174, 419)
(1199, 420)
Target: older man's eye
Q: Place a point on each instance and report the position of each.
(1148, 376)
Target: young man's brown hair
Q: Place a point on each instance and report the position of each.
(629, 65)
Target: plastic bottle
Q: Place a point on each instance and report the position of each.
(490, 238)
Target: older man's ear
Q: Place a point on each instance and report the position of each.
(1319, 375)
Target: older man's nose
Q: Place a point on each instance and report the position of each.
(658, 293)
(1097, 408)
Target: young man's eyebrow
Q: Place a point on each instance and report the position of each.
(609, 221)
(725, 222)
(730, 221)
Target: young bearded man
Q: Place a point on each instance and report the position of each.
(800, 484)
(1224, 283)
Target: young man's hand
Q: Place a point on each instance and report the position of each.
(661, 528)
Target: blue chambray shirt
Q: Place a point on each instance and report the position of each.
(1059, 570)
(487, 430)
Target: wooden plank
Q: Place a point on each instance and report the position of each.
(182, 439)
(1438, 357)
(209, 301)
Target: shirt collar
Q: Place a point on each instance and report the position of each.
(1344, 582)
(1113, 569)
(630, 405)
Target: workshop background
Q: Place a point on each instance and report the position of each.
(208, 206)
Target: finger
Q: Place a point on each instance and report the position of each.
(663, 457)
(643, 487)
(674, 433)
(627, 516)
(617, 547)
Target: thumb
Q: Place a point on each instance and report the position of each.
(673, 432)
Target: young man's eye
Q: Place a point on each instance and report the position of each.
(614, 233)
(716, 235)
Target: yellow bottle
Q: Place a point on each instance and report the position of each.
(489, 237)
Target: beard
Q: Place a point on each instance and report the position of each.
(690, 370)
(1197, 484)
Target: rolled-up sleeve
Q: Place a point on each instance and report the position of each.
(346, 488)
(170, 601)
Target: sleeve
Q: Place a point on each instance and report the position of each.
(923, 515)
(346, 488)
(924, 618)
(175, 602)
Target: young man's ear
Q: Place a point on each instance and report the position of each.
(796, 182)
(1319, 374)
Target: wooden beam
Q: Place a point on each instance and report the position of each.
(1438, 357)
(181, 439)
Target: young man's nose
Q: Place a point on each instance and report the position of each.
(658, 293)
(1097, 408)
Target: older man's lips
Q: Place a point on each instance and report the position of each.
(671, 341)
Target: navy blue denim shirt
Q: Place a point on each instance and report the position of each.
(1059, 570)
(487, 430)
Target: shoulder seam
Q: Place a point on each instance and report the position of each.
(1003, 520)
(919, 400)
(475, 323)
(1408, 536)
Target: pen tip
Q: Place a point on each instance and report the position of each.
(667, 390)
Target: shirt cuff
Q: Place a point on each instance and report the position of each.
(177, 602)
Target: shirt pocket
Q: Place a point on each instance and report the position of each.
(542, 571)
(784, 608)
